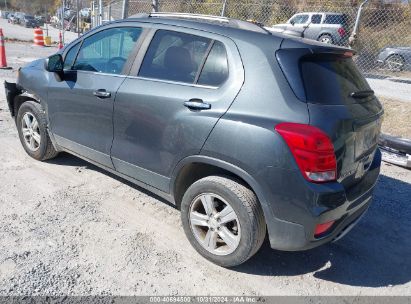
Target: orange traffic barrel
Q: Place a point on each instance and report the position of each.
(60, 45)
(38, 37)
(3, 61)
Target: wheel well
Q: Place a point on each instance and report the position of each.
(325, 34)
(396, 55)
(19, 100)
(193, 172)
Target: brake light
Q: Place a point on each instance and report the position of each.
(341, 32)
(312, 150)
(321, 228)
(348, 54)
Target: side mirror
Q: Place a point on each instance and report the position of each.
(292, 22)
(55, 65)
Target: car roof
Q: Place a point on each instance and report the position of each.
(215, 24)
(327, 13)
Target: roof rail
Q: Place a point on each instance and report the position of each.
(191, 16)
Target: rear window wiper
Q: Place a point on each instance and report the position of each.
(362, 94)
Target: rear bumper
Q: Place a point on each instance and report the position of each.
(323, 203)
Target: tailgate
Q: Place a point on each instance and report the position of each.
(340, 103)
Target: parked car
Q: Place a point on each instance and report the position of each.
(41, 20)
(5, 14)
(244, 131)
(19, 17)
(395, 58)
(326, 27)
(12, 19)
(28, 21)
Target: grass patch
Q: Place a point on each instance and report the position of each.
(397, 118)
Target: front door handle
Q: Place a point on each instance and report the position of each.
(102, 93)
(197, 104)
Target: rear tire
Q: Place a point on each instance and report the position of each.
(32, 127)
(226, 238)
(395, 63)
(326, 38)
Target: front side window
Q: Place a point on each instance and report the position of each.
(299, 19)
(71, 56)
(107, 51)
(175, 56)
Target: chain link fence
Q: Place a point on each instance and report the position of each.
(385, 23)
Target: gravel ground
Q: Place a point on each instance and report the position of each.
(393, 88)
(69, 228)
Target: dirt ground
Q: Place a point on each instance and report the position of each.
(397, 117)
(69, 228)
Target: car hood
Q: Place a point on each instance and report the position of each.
(36, 64)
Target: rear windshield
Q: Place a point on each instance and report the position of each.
(331, 79)
(335, 19)
(322, 78)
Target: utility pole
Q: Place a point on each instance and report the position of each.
(124, 14)
(223, 9)
(355, 33)
(78, 18)
(100, 12)
(92, 14)
(62, 21)
(155, 6)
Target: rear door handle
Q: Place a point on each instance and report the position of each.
(197, 104)
(102, 93)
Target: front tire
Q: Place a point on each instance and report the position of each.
(223, 220)
(32, 127)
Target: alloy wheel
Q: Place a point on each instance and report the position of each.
(31, 131)
(395, 63)
(215, 224)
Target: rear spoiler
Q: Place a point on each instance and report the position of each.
(315, 47)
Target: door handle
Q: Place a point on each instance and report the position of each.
(102, 93)
(197, 104)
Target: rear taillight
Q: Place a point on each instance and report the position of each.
(341, 32)
(312, 150)
(322, 228)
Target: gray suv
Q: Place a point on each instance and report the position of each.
(326, 27)
(244, 131)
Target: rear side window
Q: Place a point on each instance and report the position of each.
(331, 79)
(316, 19)
(215, 70)
(175, 56)
(335, 19)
